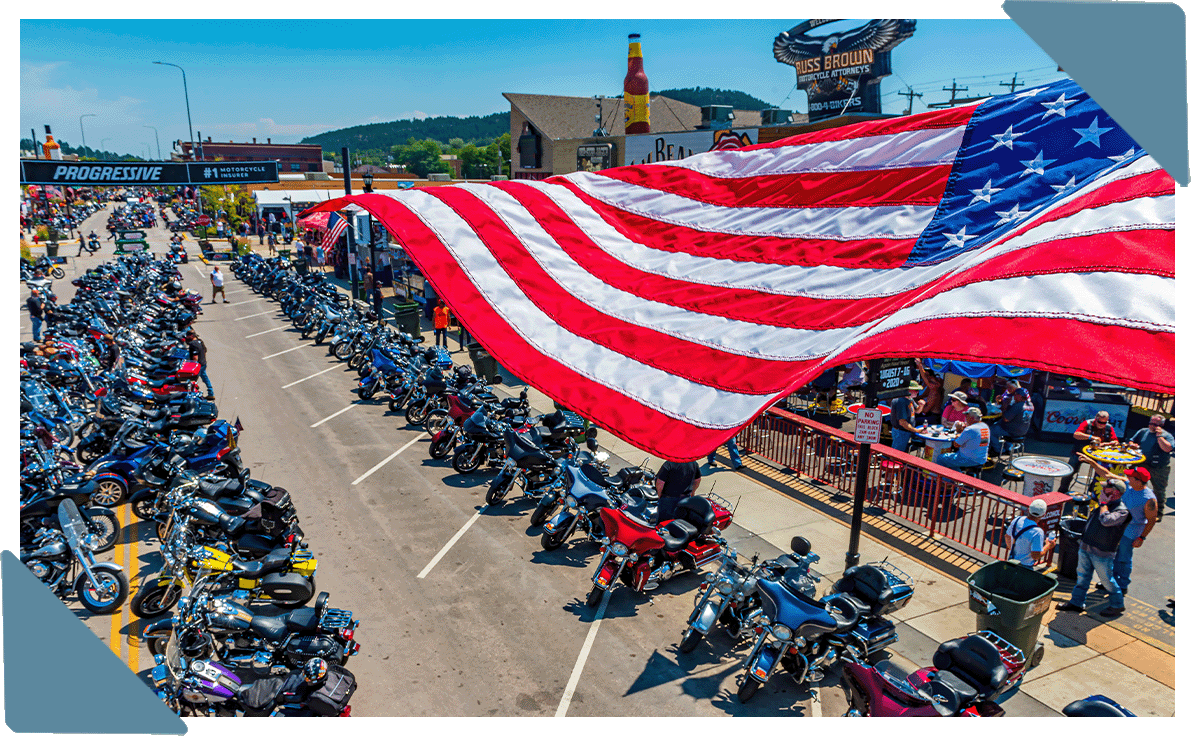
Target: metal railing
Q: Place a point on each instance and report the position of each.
(924, 496)
(1152, 401)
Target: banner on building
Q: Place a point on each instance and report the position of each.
(147, 173)
(652, 147)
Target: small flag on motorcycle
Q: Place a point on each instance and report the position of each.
(237, 425)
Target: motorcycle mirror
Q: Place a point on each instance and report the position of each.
(800, 546)
(592, 444)
(420, 339)
(498, 379)
(591, 433)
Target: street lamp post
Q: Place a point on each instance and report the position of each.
(157, 139)
(371, 238)
(81, 131)
(103, 143)
(189, 125)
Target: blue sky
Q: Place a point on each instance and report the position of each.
(288, 79)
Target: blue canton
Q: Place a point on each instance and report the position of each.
(1020, 153)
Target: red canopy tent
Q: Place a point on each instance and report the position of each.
(317, 221)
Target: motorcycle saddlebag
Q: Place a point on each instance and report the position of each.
(189, 370)
(300, 649)
(336, 691)
(287, 586)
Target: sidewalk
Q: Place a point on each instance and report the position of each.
(1084, 656)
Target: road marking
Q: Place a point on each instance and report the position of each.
(200, 271)
(816, 707)
(118, 558)
(434, 561)
(287, 350)
(299, 381)
(270, 330)
(396, 453)
(353, 404)
(578, 671)
(258, 314)
(237, 291)
(134, 623)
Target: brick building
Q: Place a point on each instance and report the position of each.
(291, 157)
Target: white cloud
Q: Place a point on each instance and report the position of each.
(42, 103)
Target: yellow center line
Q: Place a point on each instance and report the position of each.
(118, 553)
(134, 628)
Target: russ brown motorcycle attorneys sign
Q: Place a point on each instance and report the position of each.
(153, 173)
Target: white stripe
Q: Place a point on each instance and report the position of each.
(835, 223)
(320, 373)
(654, 388)
(577, 671)
(270, 330)
(931, 147)
(434, 561)
(257, 314)
(331, 417)
(395, 453)
(288, 350)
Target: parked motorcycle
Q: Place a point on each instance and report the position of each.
(64, 560)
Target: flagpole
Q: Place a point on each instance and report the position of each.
(351, 241)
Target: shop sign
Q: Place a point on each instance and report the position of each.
(1063, 416)
(649, 148)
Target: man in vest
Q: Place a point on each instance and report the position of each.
(1027, 540)
(1098, 550)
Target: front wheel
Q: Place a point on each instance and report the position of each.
(88, 454)
(442, 446)
(497, 491)
(57, 272)
(748, 689)
(343, 351)
(415, 414)
(690, 641)
(594, 596)
(543, 511)
(112, 591)
(366, 392)
(145, 507)
(467, 459)
(436, 421)
(153, 599)
(63, 433)
(396, 402)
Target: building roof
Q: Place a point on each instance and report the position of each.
(558, 117)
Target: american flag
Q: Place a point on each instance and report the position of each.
(673, 302)
(336, 224)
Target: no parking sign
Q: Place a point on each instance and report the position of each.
(868, 425)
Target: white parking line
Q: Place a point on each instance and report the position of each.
(200, 271)
(816, 707)
(258, 314)
(287, 350)
(353, 404)
(434, 561)
(578, 671)
(299, 381)
(396, 453)
(236, 291)
(270, 330)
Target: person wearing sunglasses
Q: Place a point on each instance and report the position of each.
(1157, 445)
(1096, 431)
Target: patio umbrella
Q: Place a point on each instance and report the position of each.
(317, 221)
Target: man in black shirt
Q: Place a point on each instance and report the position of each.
(674, 481)
(36, 313)
(198, 352)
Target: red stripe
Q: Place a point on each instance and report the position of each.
(949, 118)
(1141, 251)
(676, 356)
(883, 187)
(867, 253)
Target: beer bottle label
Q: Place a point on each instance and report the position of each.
(636, 110)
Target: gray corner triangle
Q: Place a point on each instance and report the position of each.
(1130, 57)
(60, 677)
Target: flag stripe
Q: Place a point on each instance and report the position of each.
(870, 130)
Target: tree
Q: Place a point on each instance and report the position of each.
(420, 157)
(455, 143)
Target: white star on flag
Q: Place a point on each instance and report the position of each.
(1005, 139)
(958, 239)
(1011, 215)
(1037, 165)
(1030, 93)
(1127, 155)
(1092, 133)
(1061, 188)
(984, 194)
(1058, 107)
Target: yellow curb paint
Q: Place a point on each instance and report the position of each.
(118, 554)
(134, 628)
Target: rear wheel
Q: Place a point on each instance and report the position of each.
(748, 689)
(690, 641)
(145, 507)
(85, 455)
(594, 596)
(63, 433)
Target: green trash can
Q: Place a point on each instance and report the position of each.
(51, 250)
(483, 362)
(284, 252)
(407, 317)
(1011, 599)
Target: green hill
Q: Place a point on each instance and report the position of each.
(713, 96)
(472, 129)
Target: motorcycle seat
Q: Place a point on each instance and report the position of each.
(270, 628)
(300, 620)
(949, 693)
(975, 660)
(847, 612)
(275, 561)
(677, 534)
(697, 511)
(868, 584)
(1092, 708)
(218, 489)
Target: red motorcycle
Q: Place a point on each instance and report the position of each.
(968, 674)
(642, 555)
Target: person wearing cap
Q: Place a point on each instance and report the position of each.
(1103, 535)
(1142, 504)
(36, 312)
(1026, 539)
(957, 405)
(970, 448)
(198, 352)
(1096, 431)
(1157, 445)
(902, 414)
(1016, 415)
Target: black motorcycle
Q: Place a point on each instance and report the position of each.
(64, 560)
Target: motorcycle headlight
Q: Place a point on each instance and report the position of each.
(619, 549)
(782, 632)
(573, 503)
(724, 587)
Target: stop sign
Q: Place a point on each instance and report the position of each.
(202, 220)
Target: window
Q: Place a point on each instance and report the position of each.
(295, 167)
(529, 148)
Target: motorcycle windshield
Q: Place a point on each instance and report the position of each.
(622, 527)
(584, 490)
(791, 608)
(73, 526)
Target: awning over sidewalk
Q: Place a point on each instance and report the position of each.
(974, 370)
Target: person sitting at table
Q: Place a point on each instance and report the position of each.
(1016, 416)
(1096, 431)
(902, 413)
(974, 398)
(853, 376)
(1157, 446)
(957, 405)
(971, 447)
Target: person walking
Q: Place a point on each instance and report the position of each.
(674, 482)
(217, 285)
(366, 280)
(82, 244)
(442, 319)
(378, 302)
(1157, 445)
(272, 245)
(1102, 536)
(1139, 499)
(36, 312)
(198, 353)
(733, 455)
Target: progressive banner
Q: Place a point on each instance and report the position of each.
(152, 173)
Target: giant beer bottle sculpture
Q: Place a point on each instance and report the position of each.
(636, 90)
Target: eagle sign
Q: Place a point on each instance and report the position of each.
(841, 71)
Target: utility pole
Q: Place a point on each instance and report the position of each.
(911, 94)
(352, 258)
(953, 89)
(1011, 85)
